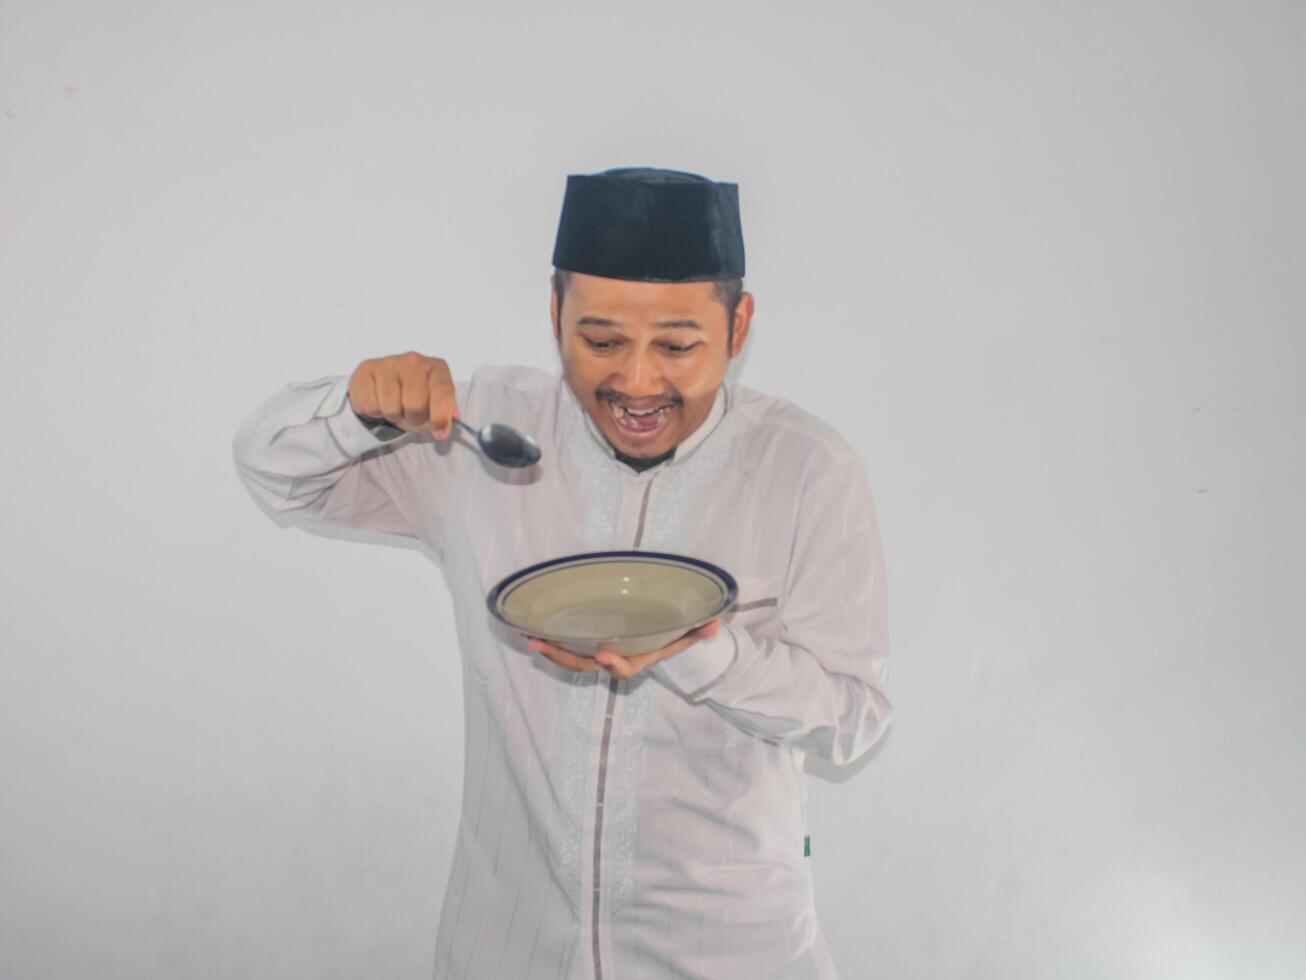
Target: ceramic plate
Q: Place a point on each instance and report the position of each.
(631, 601)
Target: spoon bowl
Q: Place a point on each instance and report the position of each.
(504, 445)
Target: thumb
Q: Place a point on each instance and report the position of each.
(707, 630)
(710, 628)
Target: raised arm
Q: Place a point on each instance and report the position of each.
(355, 450)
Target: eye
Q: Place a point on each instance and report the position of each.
(600, 345)
(680, 348)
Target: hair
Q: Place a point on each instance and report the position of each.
(725, 291)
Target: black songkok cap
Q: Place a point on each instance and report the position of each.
(651, 225)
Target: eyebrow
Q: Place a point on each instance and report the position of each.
(598, 321)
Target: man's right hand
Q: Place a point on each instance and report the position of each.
(410, 391)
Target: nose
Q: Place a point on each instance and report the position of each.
(643, 376)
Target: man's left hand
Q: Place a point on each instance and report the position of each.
(623, 667)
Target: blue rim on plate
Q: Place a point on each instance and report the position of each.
(520, 576)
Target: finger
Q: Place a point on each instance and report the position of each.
(415, 395)
(362, 392)
(627, 667)
(442, 399)
(564, 658)
(567, 660)
(641, 661)
(623, 667)
(648, 659)
(710, 627)
(707, 630)
(389, 393)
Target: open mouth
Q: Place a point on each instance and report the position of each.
(639, 426)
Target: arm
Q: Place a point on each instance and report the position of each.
(820, 686)
(306, 450)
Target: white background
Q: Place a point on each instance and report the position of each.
(1042, 264)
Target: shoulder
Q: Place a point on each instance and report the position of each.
(778, 428)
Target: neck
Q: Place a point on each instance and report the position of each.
(642, 463)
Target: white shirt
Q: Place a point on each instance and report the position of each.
(650, 829)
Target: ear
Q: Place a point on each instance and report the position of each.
(743, 319)
(553, 311)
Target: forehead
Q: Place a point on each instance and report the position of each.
(618, 298)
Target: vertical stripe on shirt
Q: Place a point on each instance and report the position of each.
(603, 774)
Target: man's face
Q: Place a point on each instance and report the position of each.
(646, 345)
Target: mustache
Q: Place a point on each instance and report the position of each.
(607, 394)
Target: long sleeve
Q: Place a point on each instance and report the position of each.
(820, 685)
(305, 450)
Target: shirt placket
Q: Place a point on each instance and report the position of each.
(636, 489)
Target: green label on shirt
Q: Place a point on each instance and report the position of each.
(807, 847)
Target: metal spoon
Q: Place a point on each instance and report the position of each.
(504, 445)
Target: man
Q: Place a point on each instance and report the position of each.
(641, 816)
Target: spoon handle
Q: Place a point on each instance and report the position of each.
(466, 426)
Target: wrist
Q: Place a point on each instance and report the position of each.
(697, 668)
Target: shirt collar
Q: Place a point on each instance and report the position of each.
(683, 448)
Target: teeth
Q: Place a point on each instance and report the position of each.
(624, 412)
